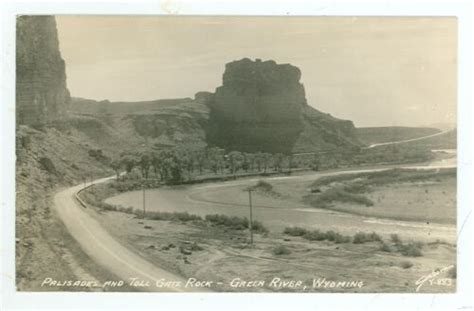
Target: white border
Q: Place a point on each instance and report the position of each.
(10, 299)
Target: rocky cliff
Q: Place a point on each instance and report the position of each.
(261, 106)
(41, 93)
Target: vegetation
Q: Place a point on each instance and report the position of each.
(234, 222)
(412, 249)
(281, 250)
(361, 237)
(351, 188)
(406, 264)
(317, 235)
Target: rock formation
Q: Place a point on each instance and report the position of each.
(41, 93)
(261, 106)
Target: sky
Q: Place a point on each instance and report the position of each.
(374, 71)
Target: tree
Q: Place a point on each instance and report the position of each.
(200, 156)
(278, 161)
(266, 158)
(235, 161)
(145, 162)
(156, 164)
(116, 165)
(129, 163)
(216, 159)
(259, 160)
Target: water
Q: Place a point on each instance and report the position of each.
(229, 198)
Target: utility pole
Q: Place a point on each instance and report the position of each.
(251, 216)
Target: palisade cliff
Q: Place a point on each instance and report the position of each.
(261, 106)
(42, 96)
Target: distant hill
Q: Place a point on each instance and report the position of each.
(89, 106)
(261, 106)
(374, 135)
(446, 140)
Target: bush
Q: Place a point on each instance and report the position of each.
(236, 223)
(173, 216)
(385, 248)
(336, 195)
(361, 237)
(339, 238)
(395, 238)
(315, 235)
(257, 226)
(406, 264)
(295, 231)
(281, 250)
(47, 165)
(263, 186)
(411, 250)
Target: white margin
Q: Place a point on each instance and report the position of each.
(10, 299)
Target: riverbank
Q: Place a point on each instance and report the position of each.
(224, 257)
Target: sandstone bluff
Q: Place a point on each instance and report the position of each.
(261, 106)
(42, 96)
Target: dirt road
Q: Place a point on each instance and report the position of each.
(407, 140)
(104, 249)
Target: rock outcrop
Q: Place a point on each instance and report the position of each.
(42, 96)
(261, 106)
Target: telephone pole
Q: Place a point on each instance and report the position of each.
(251, 216)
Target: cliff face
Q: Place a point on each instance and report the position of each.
(41, 93)
(261, 106)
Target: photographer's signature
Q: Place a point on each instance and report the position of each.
(432, 279)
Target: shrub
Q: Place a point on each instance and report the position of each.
(47, 165)
(234, 222)
(281, 250)
(263, 186)
(295, 231)
(361, 237)
(339, 238)
(374, 237)
(406, 264)
(395, 238)
(257, 226)
(411, 250)
(385, 248)
(339, 195)
(315, 235)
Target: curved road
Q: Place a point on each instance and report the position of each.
(102, 247)
(125, 264)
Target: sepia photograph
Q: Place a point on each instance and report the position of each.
(236, 154)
